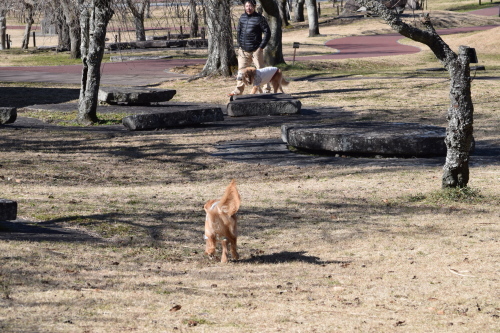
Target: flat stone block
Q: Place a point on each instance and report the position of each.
(263, 105)
(134, 96)
(8, 115)
(162, 117)
(8, 210)
(363, 138)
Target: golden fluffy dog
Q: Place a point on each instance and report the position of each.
(259, 77)
(221, 222)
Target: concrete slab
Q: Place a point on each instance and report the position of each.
(263, 105)
(373, 138)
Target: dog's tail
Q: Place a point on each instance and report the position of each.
(230, 201)
(284, 82)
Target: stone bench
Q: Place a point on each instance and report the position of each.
(373, 138)
(134, 96)
(7, 115)
(263, 105)
(166, 117)
(8, 210)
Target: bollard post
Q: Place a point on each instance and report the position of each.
(7, 40)
(34, 40)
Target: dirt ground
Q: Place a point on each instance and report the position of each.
(109, 236)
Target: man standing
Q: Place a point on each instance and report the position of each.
(251, 27)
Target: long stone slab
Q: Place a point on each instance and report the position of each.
(162, 118)
(134, 96)
(8, 210)
(7, 115)
(368, 138)
(263, 105)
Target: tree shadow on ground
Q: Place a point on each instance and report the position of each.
(286, 257)
(41, 231)
(20, 97)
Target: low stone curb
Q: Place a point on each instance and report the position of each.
(363, 138)
(7, 115)
(163, 119)
(263, 105)
(8, 210)
(134, 96)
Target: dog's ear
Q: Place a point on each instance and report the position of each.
(249, 75)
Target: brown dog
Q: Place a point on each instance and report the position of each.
(259, 77)
(221, 222)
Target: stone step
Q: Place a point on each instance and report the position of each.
(263, 105)
(168, 117)
(134, 95)
(368, 138)
(7, 115)
(8, 210)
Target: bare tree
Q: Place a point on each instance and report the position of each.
(460, 113)
(29, 9)
(273, 53)
(298, 10)
(5, 6)
(221, 54)
(94, 18)
(193, 19)
(71, 14)
(312, 16)
(138, 9)
(283, 7)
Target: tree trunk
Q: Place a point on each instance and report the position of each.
(93, 21)
(3, 29)
(137, 10)
(193, 19)
(312, 16)
(298, 11)
(221, 55)
(283, 7)
(459, 133)
(29, 22)
(73, 22)
(64, 41)
(273, 53)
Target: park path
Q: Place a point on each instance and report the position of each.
(147, 72)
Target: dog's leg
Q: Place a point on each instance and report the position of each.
(234, 250)
(224, 251)
(254, 89)
(210, 244)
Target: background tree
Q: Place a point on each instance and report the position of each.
(138, 8)
(273, 53)
(193, 19)
(312, 17)
(71, 15)
(460, 113)
(28, 7)
(298, 10)
(94, 18)
(221, 55)
(5, 6)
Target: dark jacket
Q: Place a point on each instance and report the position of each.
(250, 30)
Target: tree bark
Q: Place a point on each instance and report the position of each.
(29, 9)
(273, 53)
(137, 9)
(312, 16)
(283, 7)
(221, 55)
(72, 20)
(94, 21)
(298, 11)
(459, 133)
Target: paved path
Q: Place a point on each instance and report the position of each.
(148, 72)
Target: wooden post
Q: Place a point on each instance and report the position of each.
(7, 41)
(34, 40)
(181, 36)
(119, 35)
(338, 10)
(203, 33)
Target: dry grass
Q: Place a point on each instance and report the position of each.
(325, 248)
